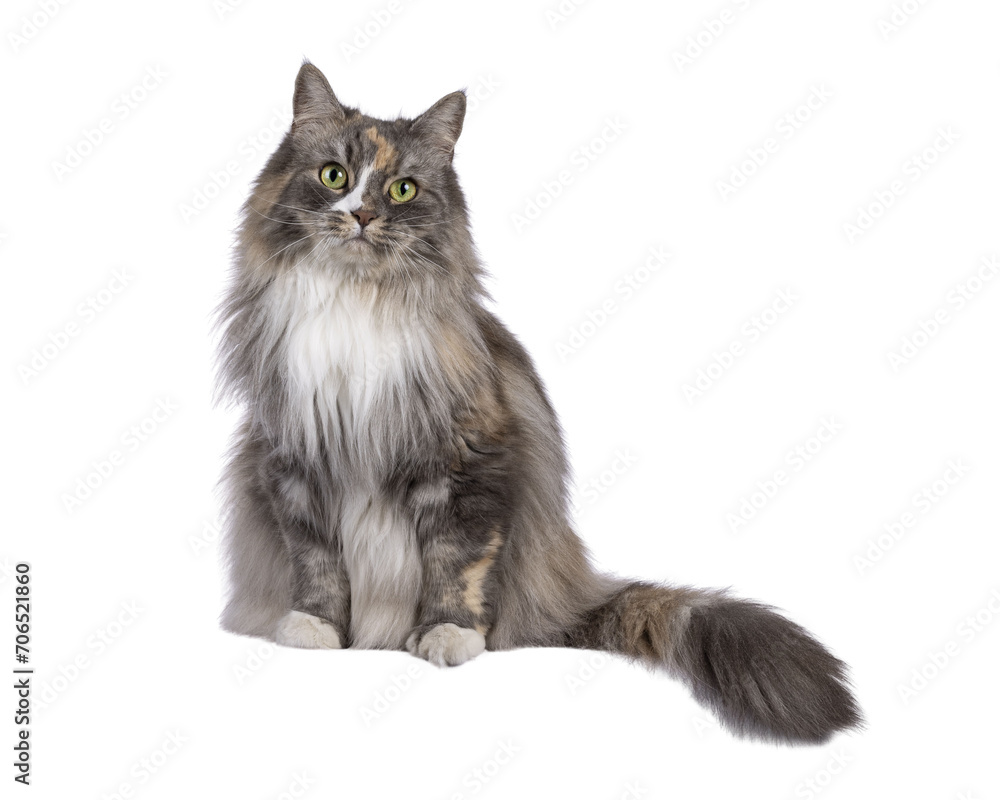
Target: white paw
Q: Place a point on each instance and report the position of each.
(298, 629)
(447, 645)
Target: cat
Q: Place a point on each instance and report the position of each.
(399, 479)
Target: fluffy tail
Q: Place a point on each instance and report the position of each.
(763, 676)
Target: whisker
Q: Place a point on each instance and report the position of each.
(411, 236)
(279, 221)
(283, 249)
(403, 267)
(427, 224)
(303, 210)
(419, 257)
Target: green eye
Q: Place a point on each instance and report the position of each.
(334, 176)
(403, 190)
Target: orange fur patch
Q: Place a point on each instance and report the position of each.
(385, 153)
(475, 574)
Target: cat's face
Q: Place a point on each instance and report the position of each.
(377, 199)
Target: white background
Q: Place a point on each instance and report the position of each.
(255, 722)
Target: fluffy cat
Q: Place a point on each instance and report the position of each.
(399, 479)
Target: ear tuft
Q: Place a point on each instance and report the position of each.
(441, 124)
(314, 100)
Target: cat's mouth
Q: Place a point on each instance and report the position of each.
(360, 241)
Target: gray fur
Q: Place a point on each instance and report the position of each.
(400, 474)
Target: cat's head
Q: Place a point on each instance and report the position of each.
(376, 199)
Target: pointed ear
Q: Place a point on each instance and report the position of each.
(314, 100)
(441, 124)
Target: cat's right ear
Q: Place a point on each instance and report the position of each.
(441, 124)
(314, 100)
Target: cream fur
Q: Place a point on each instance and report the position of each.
(297, 629)
(447, 645)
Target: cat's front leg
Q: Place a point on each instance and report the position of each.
(320, 615)
(457, 598)
(461, 520)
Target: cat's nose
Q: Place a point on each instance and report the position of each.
(363, 217)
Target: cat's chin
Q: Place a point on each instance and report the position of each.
(359, 244)
(361, 251)
(356, 256)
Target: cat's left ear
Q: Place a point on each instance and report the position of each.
(441, 124)
(314, 100)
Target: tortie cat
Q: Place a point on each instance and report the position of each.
(400, 480)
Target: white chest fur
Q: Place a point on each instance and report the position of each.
(345, 356)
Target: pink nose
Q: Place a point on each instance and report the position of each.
(363, 217)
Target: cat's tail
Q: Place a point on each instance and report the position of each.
(763, 676)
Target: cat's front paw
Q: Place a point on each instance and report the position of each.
(446, 645)
(298, 629)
